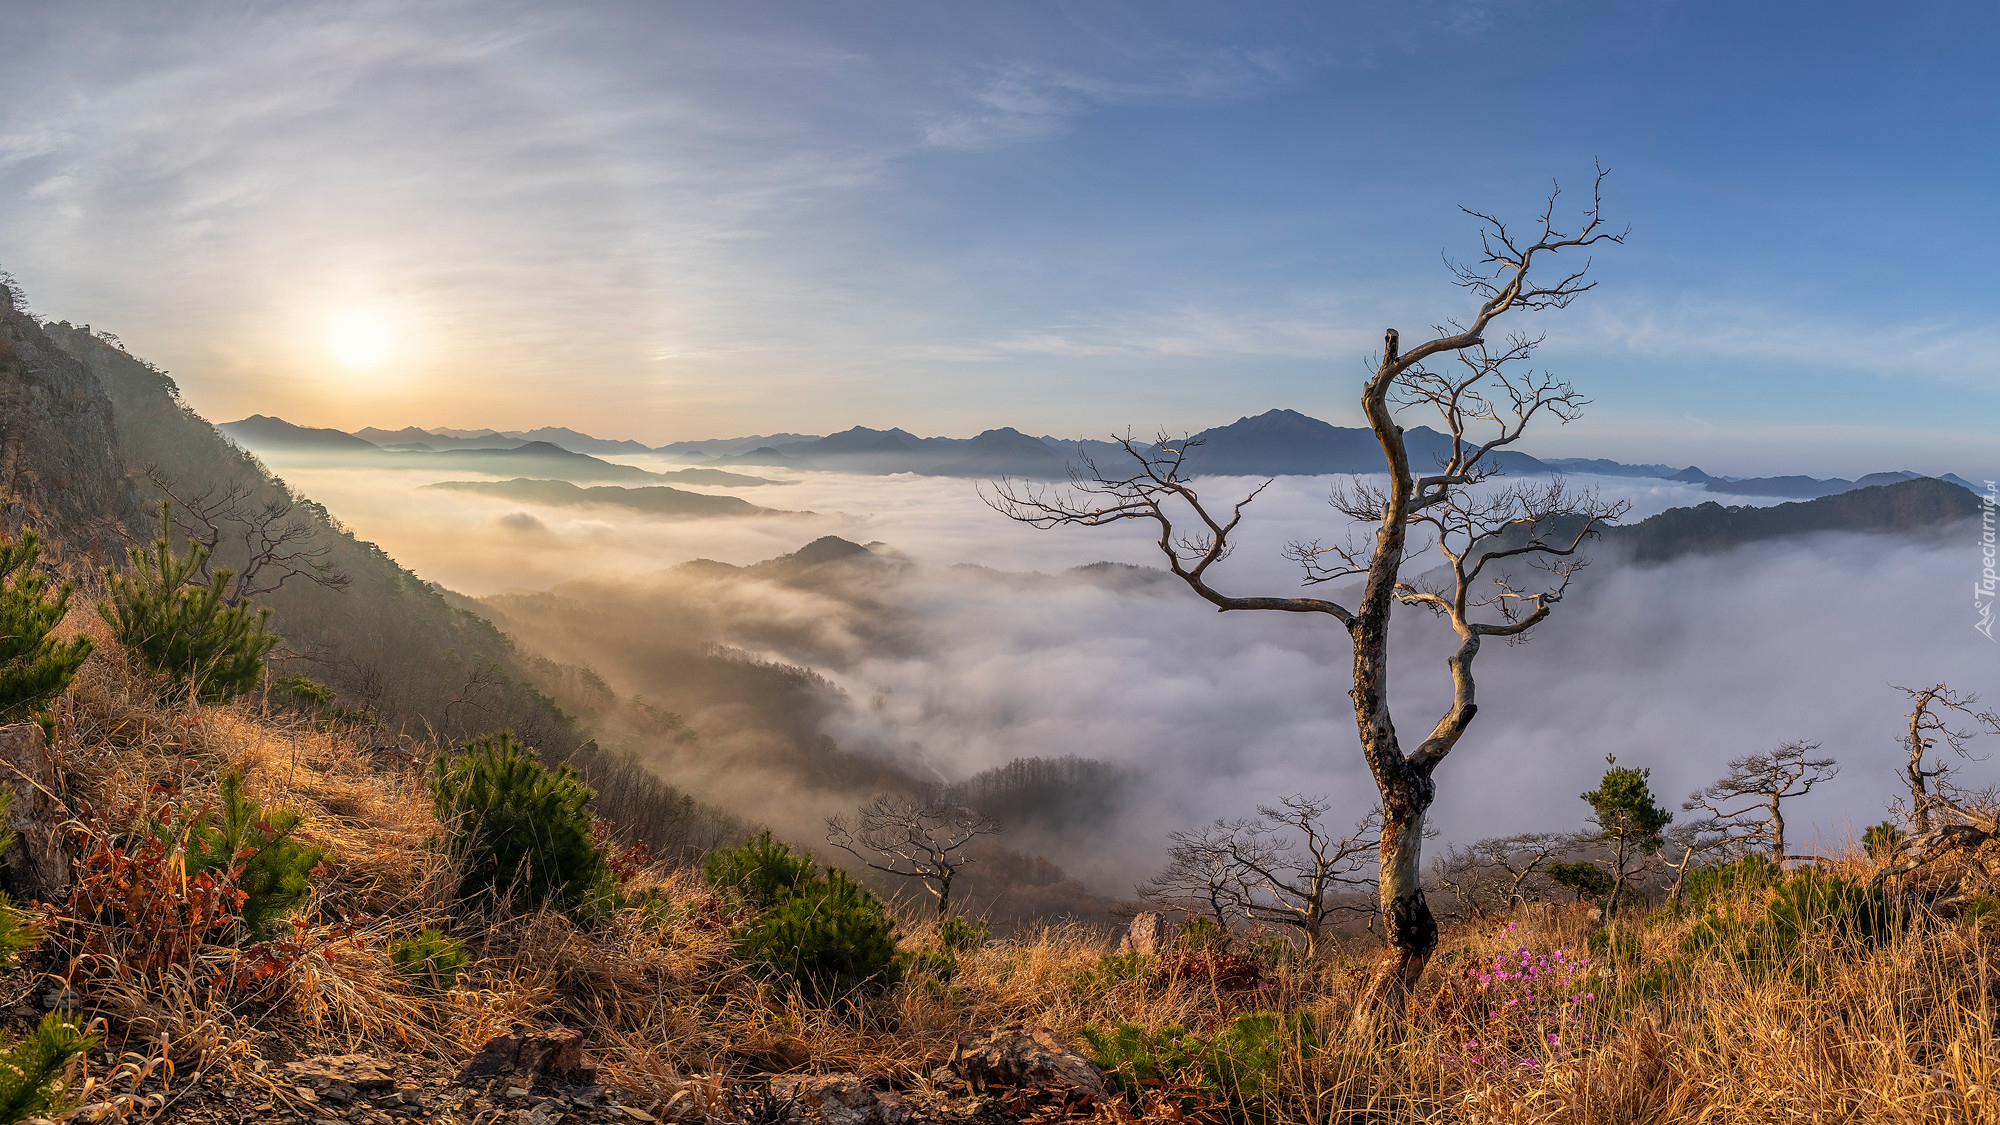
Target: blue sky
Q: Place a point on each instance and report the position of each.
(679, 221)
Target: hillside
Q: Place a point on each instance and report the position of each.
(59, 457)
(1906, 507)
(656, 500)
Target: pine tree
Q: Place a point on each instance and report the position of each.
(182, 628)
(275, 872)
(1626, 814)
(519, 830)
(34, 667)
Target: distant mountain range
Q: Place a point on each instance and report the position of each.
(1277, 442)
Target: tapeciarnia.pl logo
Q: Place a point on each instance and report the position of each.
(1988, 586)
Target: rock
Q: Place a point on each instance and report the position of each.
(38, 860)
(526, 1055)
(1147, 934)
(340, 1078)
(842, 1099)
(1020, 1056)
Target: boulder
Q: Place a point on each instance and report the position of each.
(842, 1099)
(1147, 934)
(1019, 1056)
(38, 860)
(525, 1055)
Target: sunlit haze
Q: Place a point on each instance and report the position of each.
(696, 220)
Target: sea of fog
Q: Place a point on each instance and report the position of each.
(1677, 667)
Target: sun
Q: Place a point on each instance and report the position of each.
(360, 341)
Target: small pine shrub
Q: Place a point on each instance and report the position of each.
(431, 960)
(1880, 841)
(1116, 968)
(1583, 877)
(759, 874)
(957, 935)
(827, 938)
(18, 932)
(31, 1066)
(185, 630)
(253, 847)
(34, 667)
(815, 928)
(304, 689)
(522, 833)
(1809, 902)
(1202, 933)
(1240, 1063)
(1980, 909)
(1753, 872)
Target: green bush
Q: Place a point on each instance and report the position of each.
(1585, 878)
(1201, 933)
(430, 959)
(1117, 968)
(758, 875)
(1880, 840)
(183, 629)
(31, 1066)
(272, 871)
(305, 689)
(523, 834)
(813, 927)
(958, 935)
(1770, 939)
(1238, 1063)
(1704, 885)
(34, 667)
(827, 938)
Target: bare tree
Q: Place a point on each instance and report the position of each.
(1481, 532)
(1930, 725)
(1492, 875)
(1294, 872)
(1746, 805)
(1284, 867)
(912, 840)
(259, 528)
(1200, 876)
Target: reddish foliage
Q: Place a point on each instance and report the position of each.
(134, 912)
(1224, 970)
(625, 860)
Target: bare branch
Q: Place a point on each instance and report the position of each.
(912, 840)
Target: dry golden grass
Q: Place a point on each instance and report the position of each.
(1901, 1031)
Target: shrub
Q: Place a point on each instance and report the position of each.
(1583, 877)
(1704, 885)
(523, 834)
(31, 1066)
(1189, 1071)
(828, 937)
(183, 629)
(759, 874)
(18, 932)
(958, 935)
(1770, 939)
(34, 668)
(253, 846)
(1116, 968)
(304, 689)
(1201, 932)
(430, 959)
(1880, 841)
(814, 927)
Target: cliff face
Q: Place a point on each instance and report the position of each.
(60, 468)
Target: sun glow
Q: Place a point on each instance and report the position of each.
(360, 341)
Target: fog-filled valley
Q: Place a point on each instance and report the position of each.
(959, 641)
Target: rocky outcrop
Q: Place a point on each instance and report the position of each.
(526, 1056)
(60, 468)
(38, 861)
(1020, 1056)
(841, 1099)
(1147, 934)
